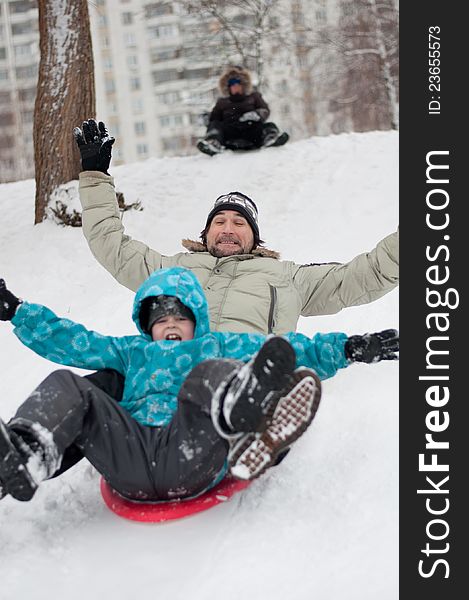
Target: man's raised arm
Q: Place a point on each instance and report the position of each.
(328, 288)
(129, 261)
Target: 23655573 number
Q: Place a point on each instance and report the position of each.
(434, 68)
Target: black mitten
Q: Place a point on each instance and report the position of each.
(95, 146)
(373, 347)
(8, 303)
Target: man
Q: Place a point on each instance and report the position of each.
(247, 287)
(238, 120)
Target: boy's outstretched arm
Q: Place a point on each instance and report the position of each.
(327, 353)
(60, 340)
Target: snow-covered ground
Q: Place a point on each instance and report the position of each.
(322, 525)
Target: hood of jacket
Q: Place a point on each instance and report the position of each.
(179, 282)
(230, 72)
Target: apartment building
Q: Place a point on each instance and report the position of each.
(19, 60)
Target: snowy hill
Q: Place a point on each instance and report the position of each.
(322, 525)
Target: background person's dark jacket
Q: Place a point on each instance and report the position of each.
(229, 108)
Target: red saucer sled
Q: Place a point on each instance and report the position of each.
(171, 510)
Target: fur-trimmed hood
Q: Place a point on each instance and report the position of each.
(237, 71)
(195, 246)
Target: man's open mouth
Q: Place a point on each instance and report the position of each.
(174, 337)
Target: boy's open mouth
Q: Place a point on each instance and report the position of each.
(173, 337)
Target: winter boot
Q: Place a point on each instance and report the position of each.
(24, 463)
(210, 146)
(275, 138)
(252, 454)
(251, 396)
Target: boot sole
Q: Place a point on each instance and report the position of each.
(206, 150)
(280, 141)
(255, 453)
(14, 477)
(262, 381)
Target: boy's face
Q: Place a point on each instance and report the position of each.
(173, 327)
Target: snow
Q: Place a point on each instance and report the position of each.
(324, 523)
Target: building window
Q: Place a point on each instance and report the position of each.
(132, 61)
(20, 28)
(168, 97)
(139, 128)
(22, 50)
(171, 120)
(3, 53)
(104, 42)
(7, 119)
(127, 18)
(197, 74)
(321, 16)
(135, 83)
(27, 95)
(107, 63)
(102, 21)
(5, 97)
(174, 143)
(130, 41)
(22, 6)
(28, 116)
(109, 86)
(26, 72)
(283, 86)
(137, 106)
(162, 31)
(157, 9)
(4, 75)
(142, 149)
(166, 75)
(159, 54)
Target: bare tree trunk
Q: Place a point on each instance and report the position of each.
(65, 94)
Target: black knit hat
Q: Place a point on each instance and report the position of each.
(155, 307)
(240, 203)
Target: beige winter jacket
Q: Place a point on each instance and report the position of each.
(245, 293)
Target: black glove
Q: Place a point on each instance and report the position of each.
(373, 347)
(8, 303)
(95, 146)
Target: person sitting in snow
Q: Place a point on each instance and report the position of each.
(238, 120)
(197, 404)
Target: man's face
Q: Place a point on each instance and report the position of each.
(229, 234)
(173, 327)
(236, 88)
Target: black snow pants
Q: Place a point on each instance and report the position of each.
(141, 462)
(232, 135)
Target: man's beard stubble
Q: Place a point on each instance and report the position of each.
(220, 253)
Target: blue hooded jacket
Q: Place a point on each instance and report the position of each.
(154, 370)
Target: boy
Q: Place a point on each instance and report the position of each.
(196, 404)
